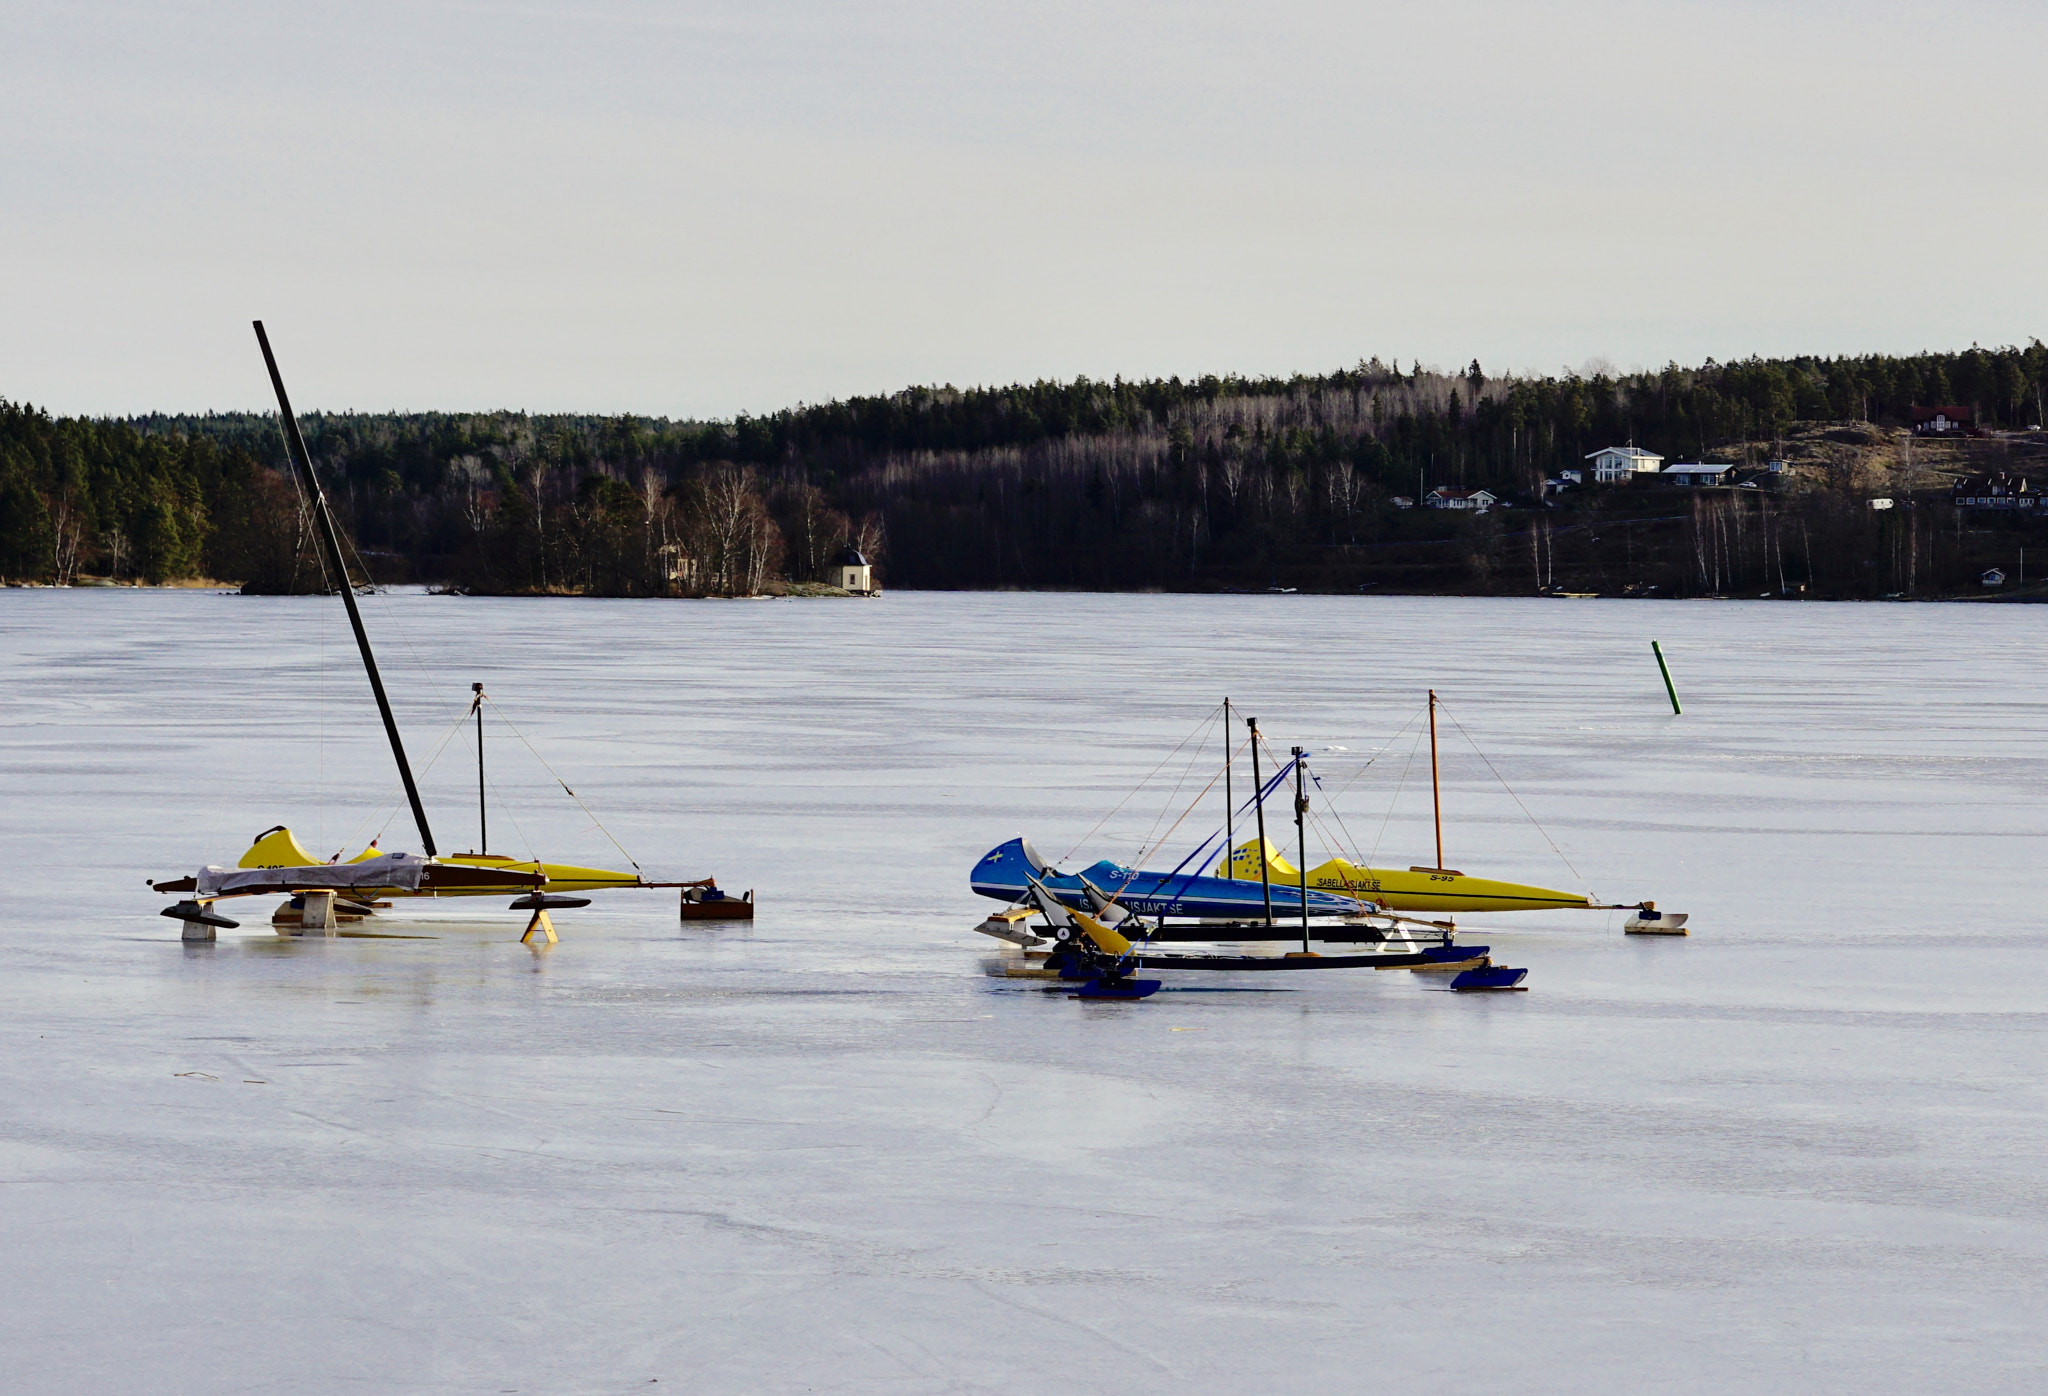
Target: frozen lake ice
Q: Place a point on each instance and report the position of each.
(1800, 1150)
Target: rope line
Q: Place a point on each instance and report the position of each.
(1399, 786)
(1146, 845)
(1200, 726)
(598, 823)
(1511, 792)
(391, 796)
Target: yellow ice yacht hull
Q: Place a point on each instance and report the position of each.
(277, 848)
(1417, 889)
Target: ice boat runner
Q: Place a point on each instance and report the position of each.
(1250, 896)
(1101, 959)
(1094, 945)
(277, 863)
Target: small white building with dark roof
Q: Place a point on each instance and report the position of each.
(852, 573)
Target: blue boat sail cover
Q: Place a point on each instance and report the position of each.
(1004, 873)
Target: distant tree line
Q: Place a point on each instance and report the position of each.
(1162, 483)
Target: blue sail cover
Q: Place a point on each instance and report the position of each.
(1002, 874)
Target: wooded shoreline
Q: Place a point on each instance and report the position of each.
(1214, 484)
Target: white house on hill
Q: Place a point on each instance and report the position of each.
(1612, 464)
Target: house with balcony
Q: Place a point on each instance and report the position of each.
(1613, 464)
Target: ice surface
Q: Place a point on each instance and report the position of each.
(1801, 1150)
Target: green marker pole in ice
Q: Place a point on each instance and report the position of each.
(1665, 670)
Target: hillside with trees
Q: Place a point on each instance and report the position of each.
(1205, 484)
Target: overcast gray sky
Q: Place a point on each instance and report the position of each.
(699, 209)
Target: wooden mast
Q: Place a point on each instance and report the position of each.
(302, 463)
(1436, 789)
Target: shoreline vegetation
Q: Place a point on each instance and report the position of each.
(1307, 483)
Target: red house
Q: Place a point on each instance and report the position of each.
(1944, 421)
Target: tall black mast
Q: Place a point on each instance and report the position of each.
(483, 815)
(302, 463)
(1301, 842)
(1259, 801)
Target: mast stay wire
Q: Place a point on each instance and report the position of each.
(391, 796)
(412, 651)
(599, 823)
(347, 539)
(1201, 725)
(1511, 792)
(506, 807)
(1146, 845)
(1395, 800)
(1151, 847)
(320, 647)
(1201, 848)
(1384, 748)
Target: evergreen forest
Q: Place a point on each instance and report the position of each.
(1215, 483)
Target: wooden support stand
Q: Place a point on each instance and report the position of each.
(541, 926)
(318, 914)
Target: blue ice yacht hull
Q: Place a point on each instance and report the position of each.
(1004, 872)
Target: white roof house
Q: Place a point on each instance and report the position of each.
(1612, 463)
(1444, 497)
(1698, 473)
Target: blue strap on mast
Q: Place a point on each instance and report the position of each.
(1271, 785)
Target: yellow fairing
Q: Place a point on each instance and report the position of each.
(1106, 940)
(278, 849)
(1397, 890)
(561, 877)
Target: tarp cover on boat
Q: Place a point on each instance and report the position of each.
(1007, 870)
(402, 871)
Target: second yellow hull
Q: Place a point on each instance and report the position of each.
(1412, 890)
(276, 848)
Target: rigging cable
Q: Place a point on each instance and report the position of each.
(413, 653)
(1382, 750)
(1399, 786)
(390, 799)
(599, 823)
(1145, 845)
(1201, 725)
(1511, 792)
